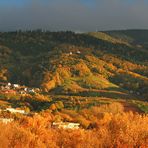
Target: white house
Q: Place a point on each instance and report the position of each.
(78, 52)
(65, 125)
(16, 85)
(13, 110)
(25, 89)
(70, 53)
(6, 120)
(31, 90)
(9, 84)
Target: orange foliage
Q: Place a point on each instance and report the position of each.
(114, 130)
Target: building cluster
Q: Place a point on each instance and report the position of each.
(77, 52)
(16, 88)
(13, 111)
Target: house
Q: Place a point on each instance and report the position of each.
(37, 90)
(6, 120)
(4, 86)
(65, 125)
(31, 90)
(70, 53)
(25, 89)
(78, 52)
(9, 84)
(22, 92)
(13, 110)
(16, 85)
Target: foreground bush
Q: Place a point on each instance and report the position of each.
(112, 130)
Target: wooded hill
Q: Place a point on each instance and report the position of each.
(80, 64)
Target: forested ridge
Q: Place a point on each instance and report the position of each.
(42, 59)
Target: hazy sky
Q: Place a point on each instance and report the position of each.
(76, 15)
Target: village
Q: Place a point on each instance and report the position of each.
(11, 111)
(16, 89)
(9, 88)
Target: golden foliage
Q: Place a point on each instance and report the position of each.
(48, 85)
(119, 130)
(82, 69)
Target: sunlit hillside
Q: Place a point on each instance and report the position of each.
(92, 84)
(64, 60)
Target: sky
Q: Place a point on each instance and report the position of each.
(74, 15)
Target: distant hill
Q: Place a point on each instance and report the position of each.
(68, 63)
(107, 37)
(134, 37)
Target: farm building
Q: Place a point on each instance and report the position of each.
(66, 125)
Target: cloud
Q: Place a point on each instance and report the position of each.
(78, 15)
